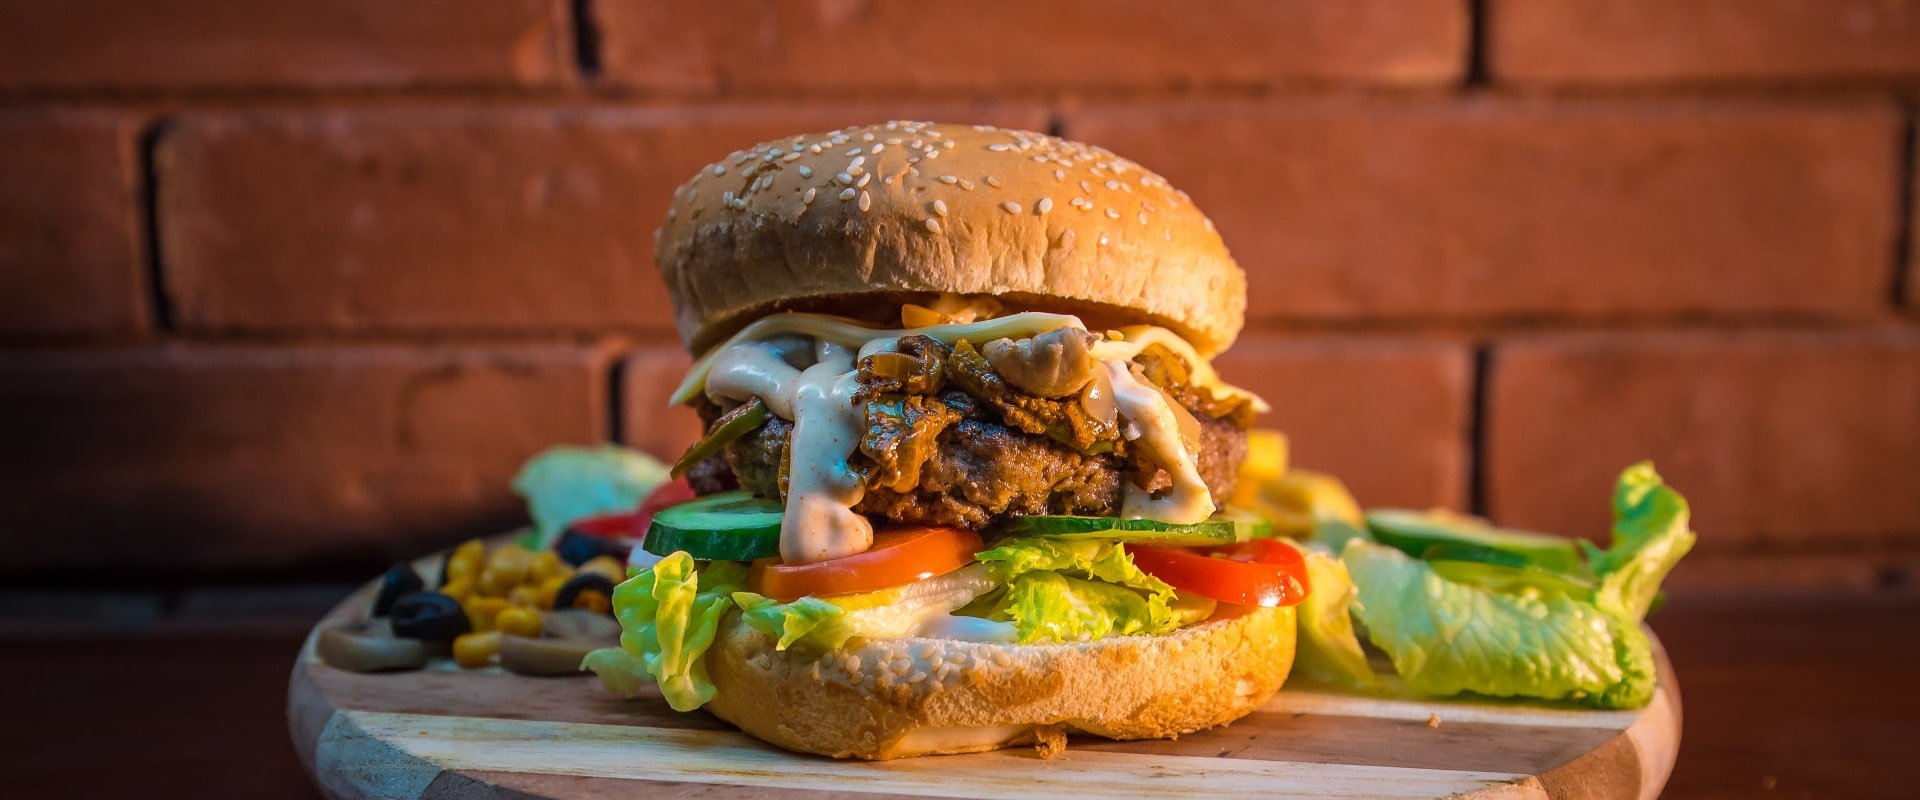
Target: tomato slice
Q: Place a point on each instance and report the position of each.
(898, 557)
(1259, 572)
(633, 524)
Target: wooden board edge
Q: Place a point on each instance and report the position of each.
(1635, 763)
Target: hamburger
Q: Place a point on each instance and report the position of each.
(966, 467)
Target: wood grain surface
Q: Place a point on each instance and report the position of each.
(444, 732)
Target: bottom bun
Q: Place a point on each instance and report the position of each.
(906, 697)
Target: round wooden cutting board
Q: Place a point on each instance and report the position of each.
(445, 732)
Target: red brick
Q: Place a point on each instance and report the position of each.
(477, 219)
(253, 456)
(1801, 439)
(1388, 417)
(70, 251)
(709, 45)
(94, 44)
(1348, 209)
(647, 378)
(1702, 41)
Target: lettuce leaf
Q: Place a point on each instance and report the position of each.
(827, 623)
(1650, 535)
(1076, 589)
(564, 484)
(667, 623)
(1051, 607)
(1446, 638)
(1329, 650)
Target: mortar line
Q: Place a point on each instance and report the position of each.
(149, 209)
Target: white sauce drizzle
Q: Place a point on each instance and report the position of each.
(1151, 423)
(748, 370)
(819, 523)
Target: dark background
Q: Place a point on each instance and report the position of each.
(288, 289)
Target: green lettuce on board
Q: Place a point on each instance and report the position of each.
(1548, 639)
(1446, 638)
(1328, 649)
(563, 484)
(1064, 590)
(668, 616)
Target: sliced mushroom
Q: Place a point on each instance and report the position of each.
(574, 623)
(524, 655)
(1053, 364)
(370, 647)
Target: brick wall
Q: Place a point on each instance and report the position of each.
(286, 283)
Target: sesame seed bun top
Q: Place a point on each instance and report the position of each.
(856, 221)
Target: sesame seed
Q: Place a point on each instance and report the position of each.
(726, 198)
(887, 180)
(940, 207)
(1143, 217)
(862, 183)
(877, 148)
(814, 148)
(949, 179)
(857, 161)
(933, 154)
(866, 202)
(1086, 187)
(846, 194)
(1045, 205)
(856, 170)
(719, 169)
(1103, 240)
(1112, 184)
(843, 178)
(966, 184)
(993, 181)
(1112, 213)
(1011, 207)
(998, 148)
(866, 137)
(854, 152)
(790, 156)
(933, 225)
(806, 171)
(808, 197)
(1059, 174)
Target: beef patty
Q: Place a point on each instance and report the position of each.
(983, 472)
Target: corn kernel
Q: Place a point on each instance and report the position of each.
(490, 584)
(466, 560)
(472, 650)
(459, 589)
(518, 621)
(593, 601)
(551, 589)
(481, 611)
(525, 595)
(608, 566)
(545, 565)
(509, 565)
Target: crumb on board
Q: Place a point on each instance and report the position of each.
(1050, 740)
(1433, 720)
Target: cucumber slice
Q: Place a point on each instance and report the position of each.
(1221, 529)
(729, 526)
(1412, 532)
